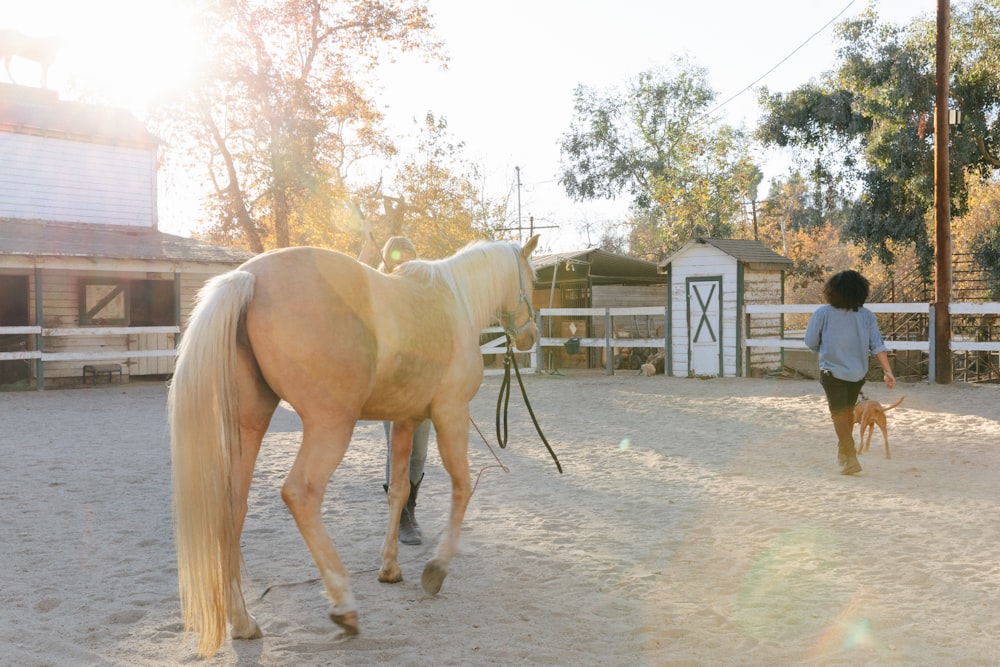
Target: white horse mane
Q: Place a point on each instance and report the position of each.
(480, 275)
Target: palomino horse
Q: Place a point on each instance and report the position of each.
(339, 342)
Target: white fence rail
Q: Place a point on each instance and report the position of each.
(49, 332)
(496, 345)
(955, 345)
(609, 342)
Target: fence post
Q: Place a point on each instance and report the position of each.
(40, 337)
(931, 357)
(666, 341)
(743, 342)
(609, 364)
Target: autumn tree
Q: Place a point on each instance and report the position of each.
(685, 173)
(439, 200)
(282, 112)
(978, 232)
(869, 123)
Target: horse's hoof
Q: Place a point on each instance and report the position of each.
(433, 577)
(390, 575)
(348, 622)
(250, 631)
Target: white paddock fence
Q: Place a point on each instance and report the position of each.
(493, 341)
(609, 342)
(90, 356)
(955, 345)
(494, 344)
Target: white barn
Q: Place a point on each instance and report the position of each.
(87, 281)
(709, 283)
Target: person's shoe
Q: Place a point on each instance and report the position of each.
(409, 529)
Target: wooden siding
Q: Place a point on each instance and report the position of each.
(58, 180)
(61, 310)
(761, 287)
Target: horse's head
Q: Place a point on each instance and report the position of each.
(519, 318)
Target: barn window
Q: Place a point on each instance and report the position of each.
(104, 302)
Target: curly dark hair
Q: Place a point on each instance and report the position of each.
(847, 290)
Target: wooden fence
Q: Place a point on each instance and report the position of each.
(493, 341)
(40, 356)
(609, 342)
(955, 309)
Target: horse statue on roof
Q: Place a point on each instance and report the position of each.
(42, 50)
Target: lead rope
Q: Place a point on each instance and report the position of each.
(504, 399)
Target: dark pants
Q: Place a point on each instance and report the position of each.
(841, 395)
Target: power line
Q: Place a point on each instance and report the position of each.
(783, 60)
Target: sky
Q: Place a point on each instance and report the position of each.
(507, 92)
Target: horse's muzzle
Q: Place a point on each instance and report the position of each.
(527, 338)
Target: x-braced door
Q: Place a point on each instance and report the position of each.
(704, 311)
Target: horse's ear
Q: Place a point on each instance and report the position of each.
(530, 246)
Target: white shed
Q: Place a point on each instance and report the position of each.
(710, 281)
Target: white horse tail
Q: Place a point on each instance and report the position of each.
(204, 431)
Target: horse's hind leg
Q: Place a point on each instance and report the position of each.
(323, 447)
(398, 491)
(453, 445)
(257, 404)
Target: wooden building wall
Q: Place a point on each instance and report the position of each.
(763, 287)
(59, 180)
(61, 309)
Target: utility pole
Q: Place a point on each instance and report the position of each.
(942, 202)
(517, 172)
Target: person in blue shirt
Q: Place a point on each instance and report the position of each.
(845, 334)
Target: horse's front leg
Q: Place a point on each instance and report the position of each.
(400, 447)
(323, 447)
(453, 445)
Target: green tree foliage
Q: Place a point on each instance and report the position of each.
(282, 111)
(686, 174)
(869, 124)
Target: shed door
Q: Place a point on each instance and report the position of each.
(704, 311)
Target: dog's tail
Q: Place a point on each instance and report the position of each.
(894, 404)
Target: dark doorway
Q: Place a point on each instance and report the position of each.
(14, 312)
(151, 303)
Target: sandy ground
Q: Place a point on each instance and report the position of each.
(698, 522)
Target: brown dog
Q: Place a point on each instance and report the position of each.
(869, 413)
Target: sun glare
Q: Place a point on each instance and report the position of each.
(120, 52)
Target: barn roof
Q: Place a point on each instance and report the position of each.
(604, 267)
(37, 111)
(37, 239)
(747, 251)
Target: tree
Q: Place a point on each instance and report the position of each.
(440, 204)
(282, 112)
(684, 172)
(869, 124)
(978, 232)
